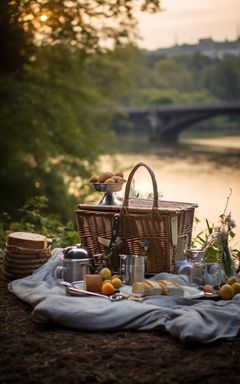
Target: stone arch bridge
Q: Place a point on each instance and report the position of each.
(166, 122)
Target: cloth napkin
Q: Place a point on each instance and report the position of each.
(189, 320)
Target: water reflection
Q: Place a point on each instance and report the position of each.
(219, 151)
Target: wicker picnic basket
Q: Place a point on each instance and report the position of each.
(155, 229)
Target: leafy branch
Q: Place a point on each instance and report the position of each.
(34, 219)
(215, 240)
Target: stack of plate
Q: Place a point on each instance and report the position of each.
(25, 252)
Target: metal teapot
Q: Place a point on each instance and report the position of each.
(77, 252)
(77, 262)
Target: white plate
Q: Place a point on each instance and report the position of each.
(188, 292)
(192, 293)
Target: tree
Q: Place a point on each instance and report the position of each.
(56, 103)
(15, 46)
(223, 78)
(55, 124)
(86, 25)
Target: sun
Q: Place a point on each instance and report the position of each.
(43, 18)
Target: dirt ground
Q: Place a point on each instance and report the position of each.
(49, 354)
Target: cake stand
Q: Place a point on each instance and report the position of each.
(110, 197)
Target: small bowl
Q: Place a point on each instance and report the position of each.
(109, 188)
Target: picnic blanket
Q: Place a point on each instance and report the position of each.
(190, 320)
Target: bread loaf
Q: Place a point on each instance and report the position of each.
(157, 287)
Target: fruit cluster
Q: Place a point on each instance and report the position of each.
(110, 283)
(108, 178)
(230, 288)
(227, 290)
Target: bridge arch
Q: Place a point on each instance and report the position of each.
(173, 130)
(166, 122)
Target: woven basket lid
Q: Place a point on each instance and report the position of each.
(27, 240)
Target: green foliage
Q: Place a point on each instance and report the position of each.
(151, 96)
(185, 79)
(15, 42)
(58, 87)
(55, 125)
(214, 241)
(34, 219)
(223, 78)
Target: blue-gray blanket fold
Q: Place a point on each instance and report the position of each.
(190, 320)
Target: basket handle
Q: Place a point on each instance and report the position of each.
(128, 184)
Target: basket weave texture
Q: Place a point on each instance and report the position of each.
(157, 230)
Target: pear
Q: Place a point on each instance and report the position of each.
(105, 274)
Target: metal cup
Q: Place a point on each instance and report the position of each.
(73, 269)
(132, 268)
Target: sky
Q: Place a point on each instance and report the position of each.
(187, 21)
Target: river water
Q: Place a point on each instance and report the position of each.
(201, 171)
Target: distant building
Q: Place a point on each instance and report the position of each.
(207, 47)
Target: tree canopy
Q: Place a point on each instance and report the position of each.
(58, 86)
(86, 25)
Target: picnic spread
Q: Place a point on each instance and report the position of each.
(134, 269)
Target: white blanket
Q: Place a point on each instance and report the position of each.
(190, 320)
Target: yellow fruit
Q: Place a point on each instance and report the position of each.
(105, 274)
(236, 288)
(226, 292)
(208, 288)
(116, 282)
(107, 281)
(108, 289)
(231, 280)
(115, 275)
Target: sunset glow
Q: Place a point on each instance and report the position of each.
(187, 21)
(43, 18)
